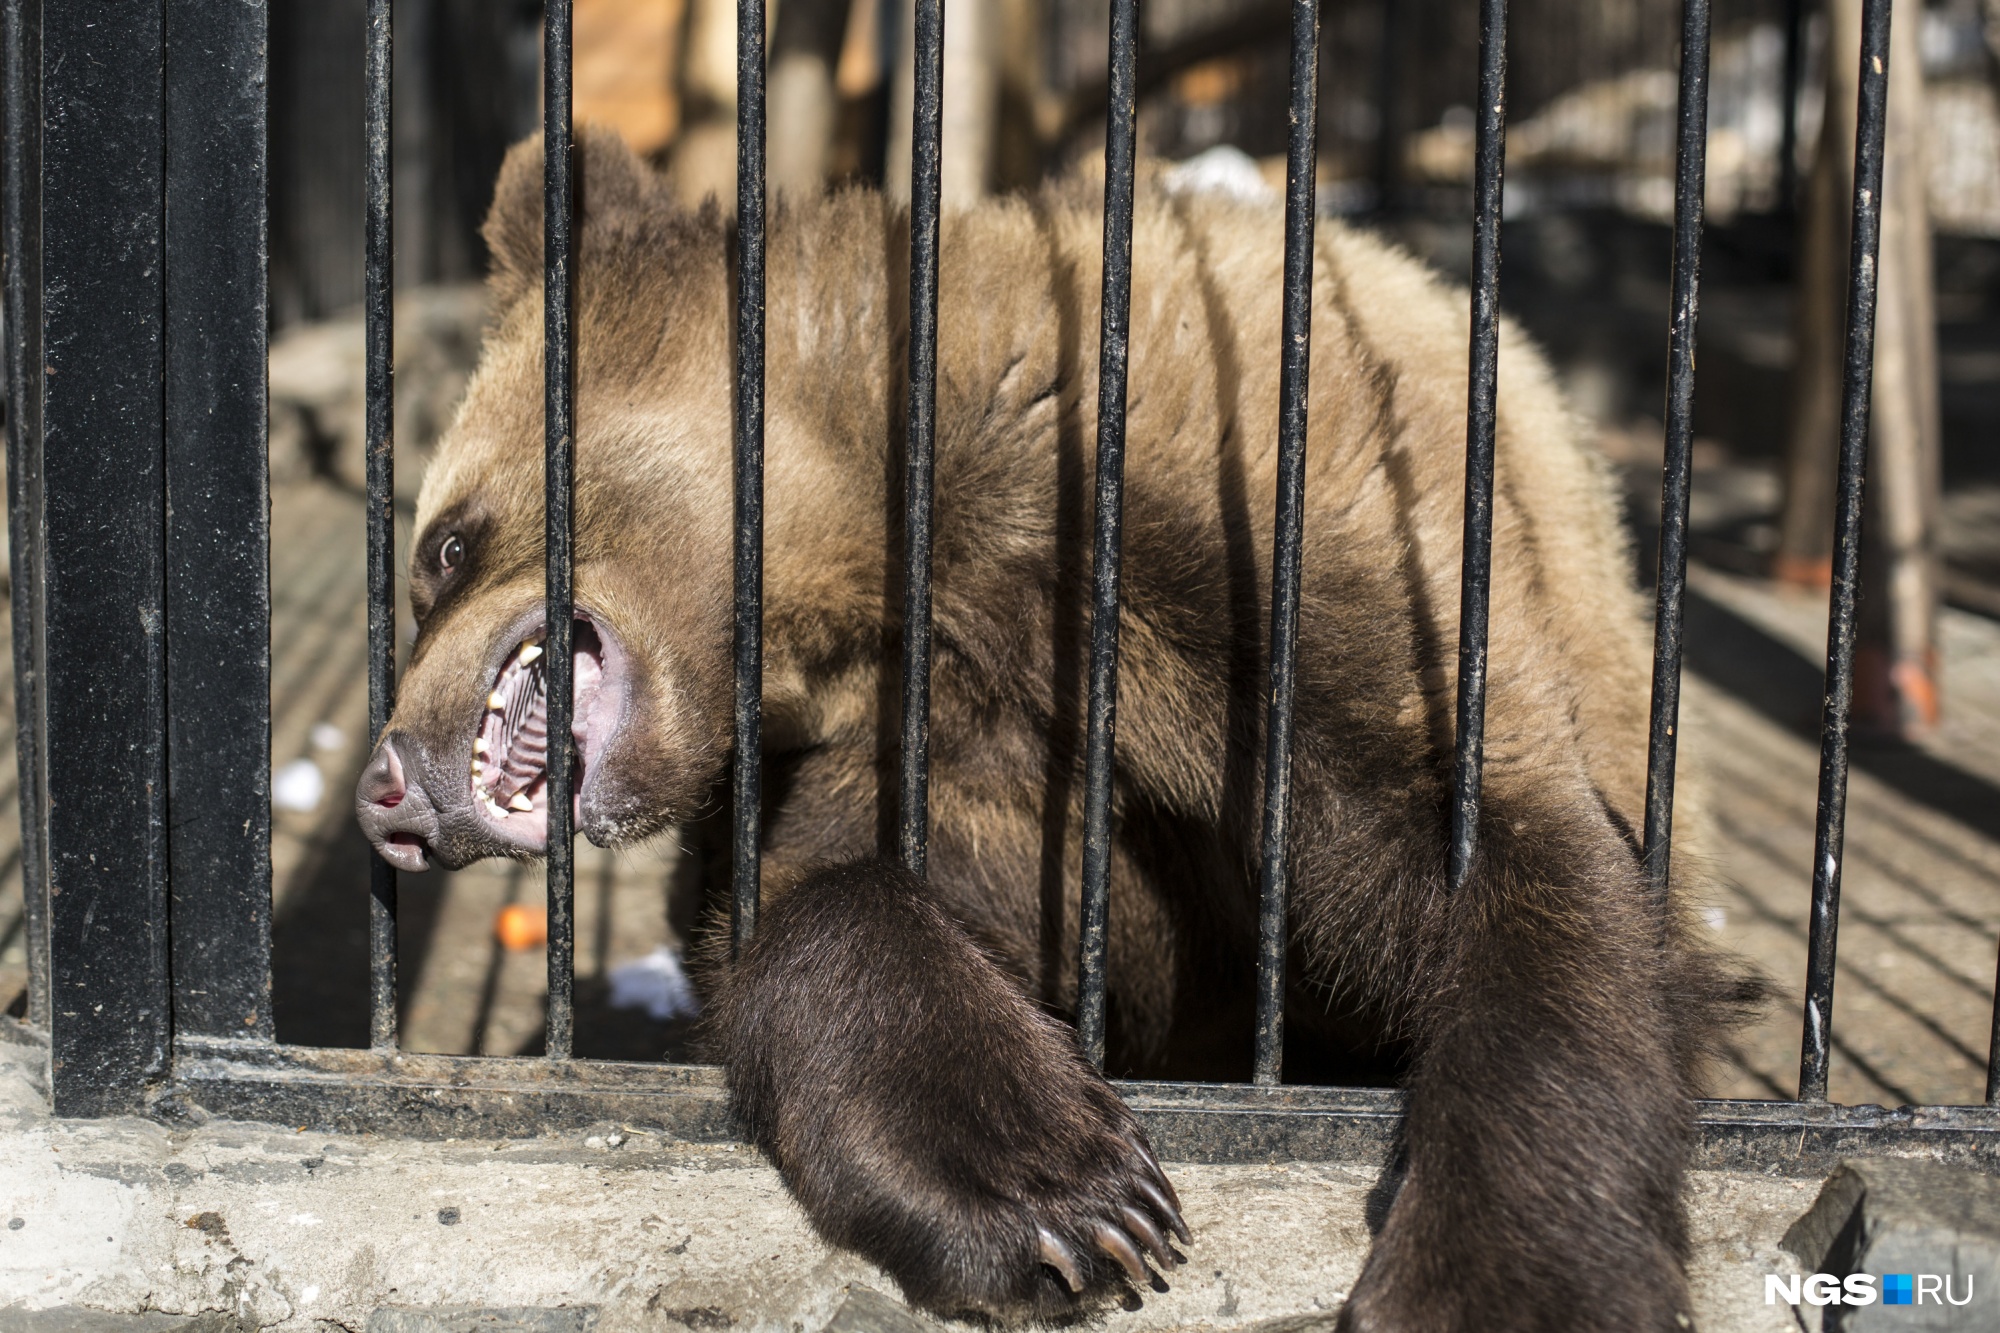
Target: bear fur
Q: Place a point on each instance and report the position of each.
(895, 1044)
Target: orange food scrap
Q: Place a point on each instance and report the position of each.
(519, 928)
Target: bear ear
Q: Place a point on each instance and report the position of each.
(610, 181)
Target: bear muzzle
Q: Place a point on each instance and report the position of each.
(454, 799)
(398, 818)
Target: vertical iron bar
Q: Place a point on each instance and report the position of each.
(1114, 331)
(21, 251)
(104, 511)
(1857, 381)
(1482, 394)
(218, 520)
(926, 152)
(746, 872)
(378, 313)
(1294, 380)
(559, 432)
(1690, 175)
(1788, 108)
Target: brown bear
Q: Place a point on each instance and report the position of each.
(894, 1044)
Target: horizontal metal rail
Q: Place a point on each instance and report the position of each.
(440, 1096)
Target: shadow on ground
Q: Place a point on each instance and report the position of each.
(1785, 686)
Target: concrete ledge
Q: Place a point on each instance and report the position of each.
(129, 1226)
(1918, 1219)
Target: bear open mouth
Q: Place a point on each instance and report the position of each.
(510, 752)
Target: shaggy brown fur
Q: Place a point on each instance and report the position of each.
(886, 1037)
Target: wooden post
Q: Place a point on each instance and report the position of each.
(703, 162)
(971, 103)
(805, 105)
(1896, 661)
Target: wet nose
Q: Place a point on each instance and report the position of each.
(397, 817)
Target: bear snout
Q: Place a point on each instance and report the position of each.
(397, 816)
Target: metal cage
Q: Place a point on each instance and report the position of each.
(136, 315)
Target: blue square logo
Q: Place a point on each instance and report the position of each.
(1896, 1289)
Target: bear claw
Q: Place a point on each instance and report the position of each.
(1148, 1234)
(1061, 1258)
(1168, 1209)
(1119, 1247)
(1145, 1151)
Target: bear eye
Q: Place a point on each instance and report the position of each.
(451, 552)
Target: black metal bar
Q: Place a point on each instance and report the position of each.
(1857, 382)
(445, 1096)
(21, 252)
(926, 153)
(746, 870)
(1482, 395)
(1788, 106)
(1294, 381)
(378, 314)
(559, 427)
(104, 506)
(1114, 329)
(1690, 176)
(218, 521)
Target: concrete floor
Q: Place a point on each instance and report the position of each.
(312, 1233)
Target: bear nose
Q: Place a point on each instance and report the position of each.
(397, 817)
(382, 781)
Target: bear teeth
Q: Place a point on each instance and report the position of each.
(512, 746)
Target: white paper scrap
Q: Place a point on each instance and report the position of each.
(298, 786)
(655, 983)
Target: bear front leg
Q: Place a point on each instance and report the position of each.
(927, 1114)
(1548, 1127)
